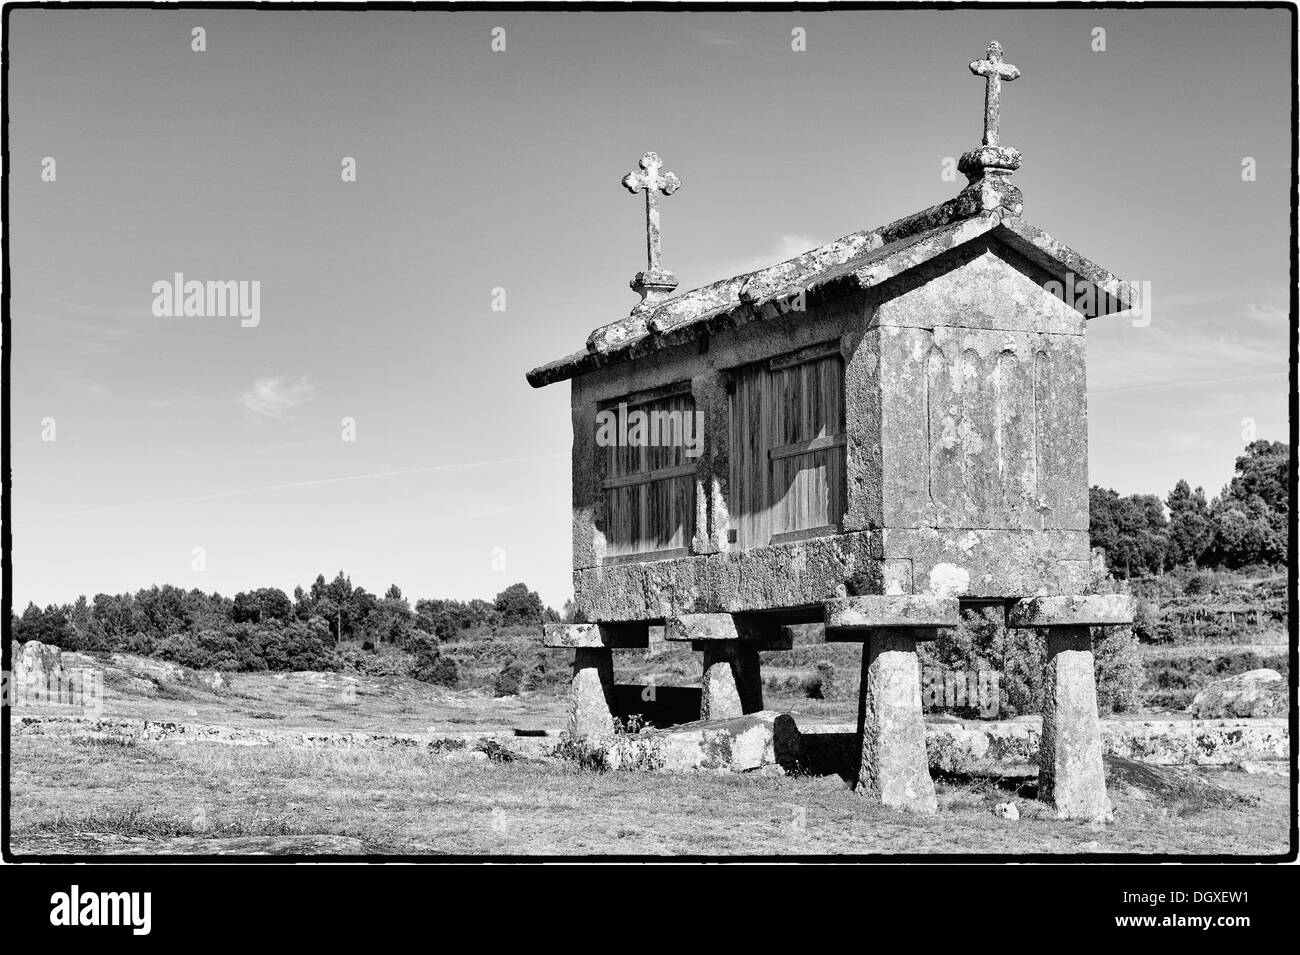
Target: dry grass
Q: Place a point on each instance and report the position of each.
(207, 797)
(87, 794)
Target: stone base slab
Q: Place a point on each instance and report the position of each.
(798, 574)
(946, 561)
(1008, 562)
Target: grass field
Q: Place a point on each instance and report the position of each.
(119, 798)
(88, 793)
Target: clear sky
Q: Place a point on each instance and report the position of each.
(479, 170)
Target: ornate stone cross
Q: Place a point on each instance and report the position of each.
(654, 283)
(994, 72)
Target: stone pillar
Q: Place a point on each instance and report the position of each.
(731, 685)
(732, 682)
(894, 767)
(591, 692)
(1071, 776)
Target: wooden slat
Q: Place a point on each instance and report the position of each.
(788, 537)
(663, 474)
(807, 447)
(804, 355)
(639, 556)
(647, 396)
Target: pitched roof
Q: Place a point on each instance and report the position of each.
(855, 262)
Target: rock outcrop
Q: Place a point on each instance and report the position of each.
(38, 672)
(1247, 695)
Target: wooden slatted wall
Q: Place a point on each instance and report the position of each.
(650, 490)
(787, 450)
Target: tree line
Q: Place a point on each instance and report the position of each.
(266, 629)
(1246, 525)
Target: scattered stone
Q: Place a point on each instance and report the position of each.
(466, 756)
(831, 782)
(1253, 694)
(1006, 810)
(1009, 748)
(1169, 787)
(1197, 742)
(739, 744)
(1262, 769)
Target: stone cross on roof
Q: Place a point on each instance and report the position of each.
(994, 72)
(654, 284)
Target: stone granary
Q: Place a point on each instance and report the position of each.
(863, 436)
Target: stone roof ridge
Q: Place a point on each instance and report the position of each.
(755, 287)
(857, 261)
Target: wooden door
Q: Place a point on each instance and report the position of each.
(788, 448)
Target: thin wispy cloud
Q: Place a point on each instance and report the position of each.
(1186, 348)
(785, 247)
(712, 37)
(275, 398)
(455, 467)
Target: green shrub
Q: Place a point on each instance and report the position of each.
(821, 685)
(297, 646)
(581, 753)
(982, 642)
(1120, 675)
(509, 681)
(386, 660)
(430, 665)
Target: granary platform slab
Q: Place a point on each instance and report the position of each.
(1084, 610)
(574, 636)
(999, 563)
(704, 628)
(778, 576)
(874, 612)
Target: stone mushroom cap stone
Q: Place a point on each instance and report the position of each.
(1091, 610)
(855, 262)
(871, 612)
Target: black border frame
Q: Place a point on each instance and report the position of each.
(635, 6)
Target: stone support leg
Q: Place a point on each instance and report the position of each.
(894, 768)
(1071, 777)
(591, 692)
(731, 685)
